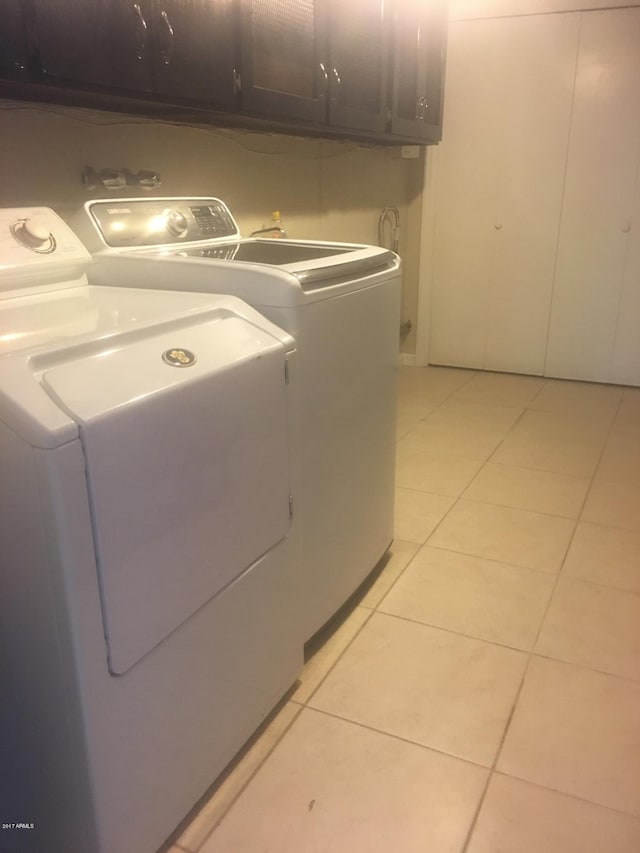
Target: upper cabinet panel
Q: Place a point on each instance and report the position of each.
(95, 42)
(420, 35)
(13, 46)
(194, 50)
(282, 50)
(181, 48)
(357, 64)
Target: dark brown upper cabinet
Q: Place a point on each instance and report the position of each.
(282, 48)
(419, 43)
(13, 42)
(371, 70)
(357, 63)
(178, 48)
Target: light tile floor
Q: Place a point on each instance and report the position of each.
(483, 694)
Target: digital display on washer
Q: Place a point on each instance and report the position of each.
(265, 252)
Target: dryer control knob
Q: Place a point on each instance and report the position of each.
(177, 224)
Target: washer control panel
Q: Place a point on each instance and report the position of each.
(131, 223)
(36, 243)
(34, 235)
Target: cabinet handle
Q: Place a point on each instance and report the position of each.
(324, 71)
(141, 32)
(168, 50)
(337, 76)
(421, 107)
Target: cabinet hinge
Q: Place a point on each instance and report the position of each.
(290, 506)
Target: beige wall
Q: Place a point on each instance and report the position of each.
(324, 189)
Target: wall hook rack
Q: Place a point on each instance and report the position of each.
(117, 179)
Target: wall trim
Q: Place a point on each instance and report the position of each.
(407, 359)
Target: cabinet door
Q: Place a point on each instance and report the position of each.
(100, 42)
(598, 198)
(283, 73)
(194, 50)
(419, 36)
(13, 51)
(358, 61)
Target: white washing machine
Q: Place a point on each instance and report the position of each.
(149, 580)
(341, 302)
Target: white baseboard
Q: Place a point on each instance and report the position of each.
(407, 359)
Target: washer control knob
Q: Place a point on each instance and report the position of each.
(33, 235)
(177, 224)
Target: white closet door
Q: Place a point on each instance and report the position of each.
(601, 171)
(500, 170)
(539, 58)
(625, 365)
(467, 178)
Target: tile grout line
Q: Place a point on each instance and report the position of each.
(245, 785)
(532, 653)
(398, 737)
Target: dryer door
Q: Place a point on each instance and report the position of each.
(187, 469)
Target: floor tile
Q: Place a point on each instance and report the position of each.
(587, 397)
(334, 786)
(629, 410)
(527, 539)
(576, 731)
(417, 514)
(224, 795)
(613, 504)
(433, 378)
(475, 415)
(320, 663)
(501, 389)
(517, 817)
(405, 424)
(466, 441)
(621, 458)
(594, 626)
(526, 488)
(429, 686)
(605, 555)
(469, 595)
(547, 454)
(438, 473)
(399, 555)
(565, 426)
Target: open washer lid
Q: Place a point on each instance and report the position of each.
(200, 246)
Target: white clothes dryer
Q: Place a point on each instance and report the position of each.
(341, 302)
(148, 564)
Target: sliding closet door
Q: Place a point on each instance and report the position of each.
(539, 56)
(602, 167)
(468, 160)
(502, 159)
